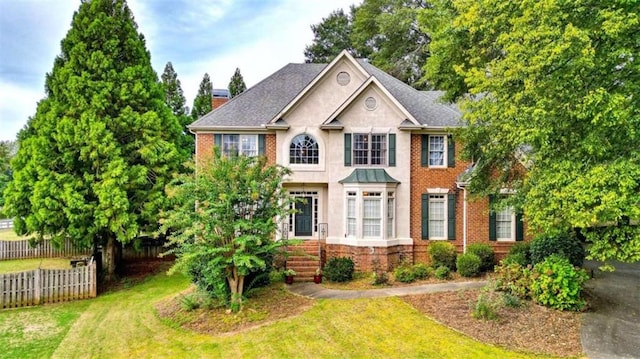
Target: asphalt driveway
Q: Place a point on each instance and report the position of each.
(611, 329)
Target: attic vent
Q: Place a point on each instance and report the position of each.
(370, 103)
(343, 78)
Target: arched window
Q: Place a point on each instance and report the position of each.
(303, 149)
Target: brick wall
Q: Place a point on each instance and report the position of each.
(270, 148)
(388, 257)
(204, 145)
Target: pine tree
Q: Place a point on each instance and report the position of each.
(174, 98)
(93, 161)
(236, 85)
(202, 102)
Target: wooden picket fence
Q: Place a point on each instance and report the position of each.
(45, 249)
(42, 286)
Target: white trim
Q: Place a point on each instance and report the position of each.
(369, 242)
(437, 190)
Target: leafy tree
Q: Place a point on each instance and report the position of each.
(94, 160)
(236, 85)
(224, 218)
(174, 98)
(202, 101)
(553, 85)
(330, 37)
(7, 151)
(387, 32)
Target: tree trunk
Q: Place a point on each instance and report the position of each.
(236, 282)
(110, 259)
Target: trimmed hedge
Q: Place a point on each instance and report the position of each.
(565, 245)
(520, 253)
(468, 265)
(485, 253)
(339, 269)
(442, 254)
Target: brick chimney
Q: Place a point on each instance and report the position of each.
(219, 98)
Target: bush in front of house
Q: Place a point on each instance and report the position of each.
(442, 254)
(485, 253)
(422, 271)
(566, 245)
(514, 279)
(339, 269)
(519, 253)
(468, 265)
(442, 272)
(404, 273)
(558, 284)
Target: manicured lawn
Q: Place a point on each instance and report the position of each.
(124, 324)
(7, 234)
(20, 265)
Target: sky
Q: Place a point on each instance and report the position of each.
(197, 36)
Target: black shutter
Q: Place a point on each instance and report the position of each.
(451, 152)
(451, 218)
(392, 150)
(424, 151)
(519, 227)
(425, 216)
(261, 141)
(217, 140)
(492, 220)
(347, 149)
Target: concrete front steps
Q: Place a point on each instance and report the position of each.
(303, 258)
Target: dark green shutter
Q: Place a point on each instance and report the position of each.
(261, 141)
(217, 140)
(424, 151)
(347, 149)
(451, 152)
(392, 150)
(451, 218)
(492, 220)
(519, 227)
(425, 216)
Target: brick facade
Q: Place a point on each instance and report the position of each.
(364, 257)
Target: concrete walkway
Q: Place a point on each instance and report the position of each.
(313, 290)
(611, 328)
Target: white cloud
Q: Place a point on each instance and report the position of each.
(17, 104)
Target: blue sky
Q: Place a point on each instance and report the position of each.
(197, 36)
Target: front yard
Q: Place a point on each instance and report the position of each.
(124, 323)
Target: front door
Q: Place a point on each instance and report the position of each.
(303, 215)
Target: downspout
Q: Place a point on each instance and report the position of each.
(462, 186)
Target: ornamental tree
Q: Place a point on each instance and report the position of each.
(552, 85)
(236, 84)
(93, 161)
(224, 219)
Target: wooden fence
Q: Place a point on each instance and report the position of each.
(45, 249)
(42, 286)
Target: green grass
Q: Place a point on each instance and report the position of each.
(124, 324)
(20, 265)
(7, 234)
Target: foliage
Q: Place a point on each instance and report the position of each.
(404, 273)
(514, 279)
(380, 276)
(511, 300)
(558, 284)
(442, 272)
(442, 254)
(224, 219)
(330, 37)
(7, 152)
(339, 269)
(202, 101)
(552, 85)
(422, 271)
(289, 272)
(485, 253)
(565, 245)
(519, 253)
(236, 84)
(93, 161)
(468, 265)
(485, 308)
(174, 98)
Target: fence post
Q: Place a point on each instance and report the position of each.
(37, 286)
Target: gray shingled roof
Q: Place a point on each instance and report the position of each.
(256, 106)
(259, 104)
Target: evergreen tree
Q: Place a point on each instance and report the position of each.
(330, 37)
(236, 85)
(174, 98)
(93, 162)
(7, 151)
(202, 102)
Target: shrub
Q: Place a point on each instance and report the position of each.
(566, 245)
(520, 253)
(442, 272)
(558, 284)
(442, 254)
(485, 253)
(422, 271)
(468, 265)
(514, 279)
(511, 300)
(485, 308)
(380, 276)
(404, 273)
(339, 269)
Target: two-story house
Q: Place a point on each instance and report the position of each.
(372, 157)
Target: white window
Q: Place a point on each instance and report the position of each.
(303, 149)
(240, 145)
(391, 208)
(437, 216)
(351, 214)
(436, 150)
(369, 149)
(505, 224)
(372, 214)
